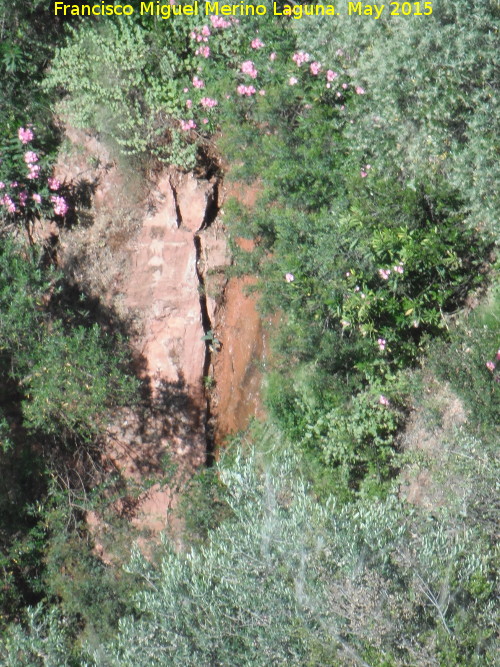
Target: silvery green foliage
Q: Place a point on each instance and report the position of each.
(431, 109)
(291, 581)
(112, 85)
(42, 641)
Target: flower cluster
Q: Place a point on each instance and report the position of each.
(300, 57)
(256, 43)
(245, 90)
(208, 102)
(198, 83)
(315, 68)
(219, 22)
(187, 125)
(248, 67)
(25, 135)
(381, 342)
(60, 205)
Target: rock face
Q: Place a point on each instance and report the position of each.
(161, 271)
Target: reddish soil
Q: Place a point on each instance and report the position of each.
(150, 259)
(238, 365)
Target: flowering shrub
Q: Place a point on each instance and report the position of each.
(26, 190)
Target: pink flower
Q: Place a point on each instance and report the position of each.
(208, 102)
(25, 136)
(345, 86)
(187, 125)
(272, 57)
(205, 31)
(189, 103)
(54, 184)
(7, 201)
(60, 205)
(30, 157)
(248, 67)
(198, 83)
(331, 75)
(37, 198)
(34, 171)
(204, 121)
(383, 400)
(185, 90)
(219, 22)
(23, 196)
(363, 174)
(289, 277)
(14, 184)
(315, 68)
(359, 90)
(2, 185)
(381, 342)
(498, 355)
(203, 51)
(490, 365)
(256, 43)
(245, 90)
(300, 57)
(399, 268)
(292, 81)
(384, 273)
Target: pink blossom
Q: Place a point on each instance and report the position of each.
(300, 57)
(289, 277)
(331, 75)
(384, 273)
(219, 22)
(188, 125)
(381, 342)
(25, 136)
(23, 196)
(204, 121)
(490, 365)
(60, 205)
(315, 68)
(383, 400)
(14, 184)
(198, 83)
(189, 103)
(328, 85)
(248, 67)
(399, 268)
(37, 198)
(2, 185)
(185, 90)
(292, 81)
(256, 43)
(7, 201)
(363, 174)
(345, 86)
(208, 102)
(54, 184)
(272, 57)
(34, 171)
(205, 31)
(30, 157)
(359, 90)
(203, 51)
(245, 90)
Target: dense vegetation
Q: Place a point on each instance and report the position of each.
(374, 146)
